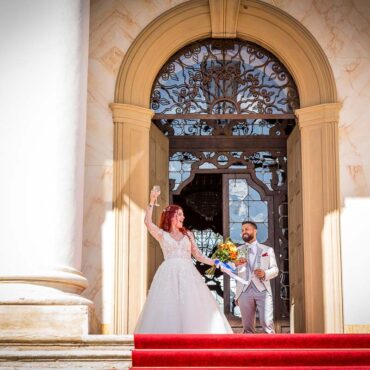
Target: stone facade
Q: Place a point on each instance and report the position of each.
(342, 30)
(59, 225)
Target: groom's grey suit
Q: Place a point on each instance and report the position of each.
(257, 293)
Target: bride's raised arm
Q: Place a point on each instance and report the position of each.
(197, 254)
(154, 230)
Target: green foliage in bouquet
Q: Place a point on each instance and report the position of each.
(225, 252)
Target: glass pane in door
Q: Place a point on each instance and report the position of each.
(244, 203)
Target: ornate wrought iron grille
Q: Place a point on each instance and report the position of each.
(224, 127)
(224, 77)
(267, 168)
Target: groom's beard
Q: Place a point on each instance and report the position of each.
(247, 238)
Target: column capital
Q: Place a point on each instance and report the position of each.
(133, 114)
(224, 17)
(318, 114)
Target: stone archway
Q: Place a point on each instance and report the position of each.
(318, 117)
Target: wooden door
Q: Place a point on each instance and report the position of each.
(244, 200)
(296, 252)
(158, 167)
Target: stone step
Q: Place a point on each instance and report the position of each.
(88, 352)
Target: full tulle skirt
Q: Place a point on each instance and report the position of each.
(179, 301)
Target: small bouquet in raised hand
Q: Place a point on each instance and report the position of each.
(226, 255)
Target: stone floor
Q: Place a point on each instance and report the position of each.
(87, 352)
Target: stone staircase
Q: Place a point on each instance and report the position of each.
(87, 352)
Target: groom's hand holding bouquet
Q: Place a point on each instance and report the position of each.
(226, 256)
(242, 257)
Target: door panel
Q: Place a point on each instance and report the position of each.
(243, 200)
(158, 165)
(296, 256)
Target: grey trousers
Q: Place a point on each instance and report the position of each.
(250, 301)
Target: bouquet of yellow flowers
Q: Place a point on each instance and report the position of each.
(227, 252)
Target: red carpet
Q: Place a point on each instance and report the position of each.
(245, 341)
(242, 351)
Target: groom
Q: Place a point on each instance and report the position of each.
(258, 268)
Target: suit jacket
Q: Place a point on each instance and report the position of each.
(265, 259)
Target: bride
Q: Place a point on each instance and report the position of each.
(179, 301)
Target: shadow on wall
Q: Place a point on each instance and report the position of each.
(98, 243)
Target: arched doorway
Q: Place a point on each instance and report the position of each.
(227, 108)
(315, 243)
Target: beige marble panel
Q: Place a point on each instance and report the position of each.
(113, 27)
(342, 27)
(353, 82)
(352, 28)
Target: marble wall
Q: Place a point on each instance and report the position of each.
(113, 27)
(342, 28)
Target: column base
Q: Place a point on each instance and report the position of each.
(28, 310)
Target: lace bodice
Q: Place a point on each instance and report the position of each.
(172, 248)
(175, 249)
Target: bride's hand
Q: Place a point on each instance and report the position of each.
(153, 196)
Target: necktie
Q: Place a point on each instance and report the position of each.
(252, 257)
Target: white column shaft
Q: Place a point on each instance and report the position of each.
(43, 71)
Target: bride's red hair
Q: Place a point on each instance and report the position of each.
(166, 217)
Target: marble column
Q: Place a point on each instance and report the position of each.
(42, 143)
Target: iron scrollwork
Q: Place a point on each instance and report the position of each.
(224, 77)
(224, 127)
(268, 169)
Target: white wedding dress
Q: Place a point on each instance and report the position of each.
(179, 301)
